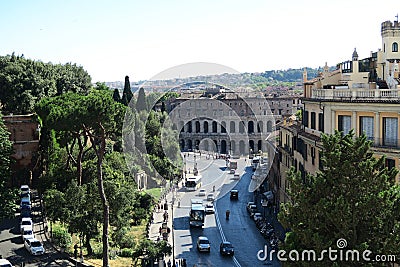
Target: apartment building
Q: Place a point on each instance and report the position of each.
(363, 95)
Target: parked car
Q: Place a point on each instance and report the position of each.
(25, 213)
(25, 203)
(232, 171)
(202, 192)
(34, 246)
(257, 216)
(234, 194)
(203, 244)
(226, 248)
(252, 209)
(236, 176)
(210, 197)
(27, 233)
(5, 263)
(25, 189)
(249, 204)
(25, 222)
(210, 208)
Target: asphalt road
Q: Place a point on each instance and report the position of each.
(240, 229)
(12, 247)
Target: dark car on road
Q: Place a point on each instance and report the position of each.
(226, 248)
(234, 194)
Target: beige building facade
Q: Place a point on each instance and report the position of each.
(363, 95)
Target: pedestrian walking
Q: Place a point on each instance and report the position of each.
(169, 263)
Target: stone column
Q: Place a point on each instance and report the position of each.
(354, 122)
(377, 132)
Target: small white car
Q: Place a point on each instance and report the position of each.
(27, 233)
(203, 244)
(210, 208)
(25, 222)
(5, 263)
(236, 176)
(202, 192)
(25, 189)
(210, 197)
(34, 246)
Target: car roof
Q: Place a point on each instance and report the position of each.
(234, 190)
(3, 261)
(226, 243)
(202, 238)
(24, 186)
(26, 219)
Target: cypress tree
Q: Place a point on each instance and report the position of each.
(127, 94)
(141, 101)
(116, 96)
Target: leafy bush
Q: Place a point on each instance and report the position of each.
(61, 236)
(126, 252)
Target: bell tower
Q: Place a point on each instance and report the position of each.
(390, 32)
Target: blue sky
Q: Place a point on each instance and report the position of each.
(111, 39)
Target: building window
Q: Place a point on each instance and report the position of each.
(305, 118)
(367, 127)
(313, 120)
(390, 163)
(395, 47)
(320, 162)
(390, 130)
(321, 122)
(344, 124)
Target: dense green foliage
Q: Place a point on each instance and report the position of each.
(7, 195)
(354, 198)
(23, 82)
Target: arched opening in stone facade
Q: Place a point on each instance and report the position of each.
(251, 146)
(197, 123)
(215, 145)
(206, 127)
(242, 147)
(223, 147)
(250, 127)
(182, 144)
(223, 127)
(196, 144)
(241, 127)
(232, 127)
(259, 145)
(189, 127)
(269, 126)
(214, 126)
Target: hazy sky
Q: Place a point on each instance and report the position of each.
(111, 39)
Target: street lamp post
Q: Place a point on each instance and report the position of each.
(172, 230)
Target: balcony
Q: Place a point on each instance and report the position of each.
(356, 94)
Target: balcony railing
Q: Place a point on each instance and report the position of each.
(356, 93)
(388, 143)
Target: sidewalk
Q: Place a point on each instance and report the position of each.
(158, 219)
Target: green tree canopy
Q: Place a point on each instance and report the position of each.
(355, 198)
(23, 82)
(127, 93)
(7, 195)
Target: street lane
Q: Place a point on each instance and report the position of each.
(12, 247)
(240, 229)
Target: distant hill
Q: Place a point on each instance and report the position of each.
(289, 78)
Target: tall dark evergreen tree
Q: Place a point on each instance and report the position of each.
(141, 100)
(127, 94)
(116, 96)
